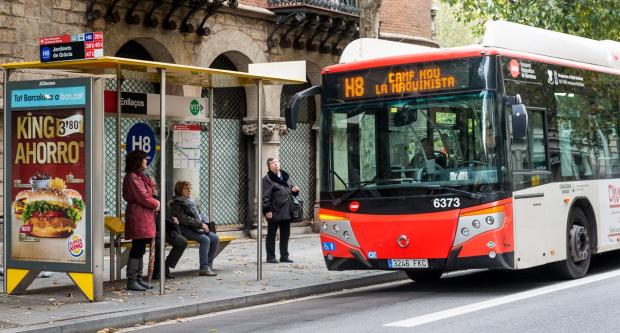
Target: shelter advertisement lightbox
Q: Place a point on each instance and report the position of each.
(47, 186)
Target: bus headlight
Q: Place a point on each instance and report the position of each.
(338, 227)
(469, 225)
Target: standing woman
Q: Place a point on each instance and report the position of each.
(138, 191)
(277, 208)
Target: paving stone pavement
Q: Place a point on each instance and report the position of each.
(54, 301)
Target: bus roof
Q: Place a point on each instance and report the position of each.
(512, 40)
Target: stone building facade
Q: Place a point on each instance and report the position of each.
(227, 34)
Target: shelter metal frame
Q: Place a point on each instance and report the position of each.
(164, 74)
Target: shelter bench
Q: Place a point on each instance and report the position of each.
(119, 248)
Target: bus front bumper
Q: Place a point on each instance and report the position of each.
(501, 261)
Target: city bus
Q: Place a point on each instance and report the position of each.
(499, 156)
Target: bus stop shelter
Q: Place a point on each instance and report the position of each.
(89, 277)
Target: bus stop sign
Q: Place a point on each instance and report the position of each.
(141, 137)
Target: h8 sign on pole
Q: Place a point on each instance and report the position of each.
(141, 137)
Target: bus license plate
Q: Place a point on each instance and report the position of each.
(408, 263)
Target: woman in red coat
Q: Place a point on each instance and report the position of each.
(138, 191)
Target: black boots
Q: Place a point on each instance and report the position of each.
(139, 277)
(133, 266)
(134, 276)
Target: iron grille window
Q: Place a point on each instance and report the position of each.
(230, 183)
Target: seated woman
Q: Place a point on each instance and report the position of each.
(194, 226)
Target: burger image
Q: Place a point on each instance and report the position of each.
(20, 202)
(52, 213)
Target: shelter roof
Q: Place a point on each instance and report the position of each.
(175, 73)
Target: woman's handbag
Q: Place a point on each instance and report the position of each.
(297, 209)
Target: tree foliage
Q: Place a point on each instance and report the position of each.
(450, 32)
(596, 19)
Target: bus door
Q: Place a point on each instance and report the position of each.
(530, 169)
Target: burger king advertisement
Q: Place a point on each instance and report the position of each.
(47, 178)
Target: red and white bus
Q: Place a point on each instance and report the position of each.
(501, 157)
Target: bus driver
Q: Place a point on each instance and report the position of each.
(425, 157)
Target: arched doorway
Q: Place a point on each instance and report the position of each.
(230, 184)
(298, 147)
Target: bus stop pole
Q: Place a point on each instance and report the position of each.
(5, 80)
(162, 181)
(97, 184)
(210, 189)
(114, 258)
(259, 170)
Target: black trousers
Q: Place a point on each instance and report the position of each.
(270, 243)
(178, 242)
(138, 247)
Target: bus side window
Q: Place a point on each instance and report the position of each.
(605, 136)
(530, 153)
(578, 146)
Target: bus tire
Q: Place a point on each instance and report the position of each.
(424, 276)
(578, 247)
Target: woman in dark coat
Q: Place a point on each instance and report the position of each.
(174, 238)
(277, 208)
(138, 191)
(194, 226)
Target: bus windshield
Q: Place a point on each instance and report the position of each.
(447, 141)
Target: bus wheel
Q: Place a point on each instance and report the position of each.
(578, 247)
(424, 276)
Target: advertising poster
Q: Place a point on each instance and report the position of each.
(48, 175)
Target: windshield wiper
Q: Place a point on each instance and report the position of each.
(363, 184)
(352, 191)
(471, 195)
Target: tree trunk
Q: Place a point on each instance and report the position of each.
(370, 11)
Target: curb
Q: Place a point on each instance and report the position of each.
(124, 319)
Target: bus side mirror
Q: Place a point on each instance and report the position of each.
(292, 107)
(519, 121)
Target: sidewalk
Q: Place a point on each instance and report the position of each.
(53, 304)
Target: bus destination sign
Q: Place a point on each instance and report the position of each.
(399, 80)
